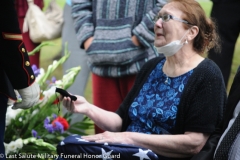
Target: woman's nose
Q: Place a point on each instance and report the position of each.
(159, 22)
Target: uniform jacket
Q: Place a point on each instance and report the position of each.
(15, 70)
(112, 23)
(233, 98)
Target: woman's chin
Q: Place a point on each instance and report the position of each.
(158, 43)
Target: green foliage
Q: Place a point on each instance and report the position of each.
(20, 123)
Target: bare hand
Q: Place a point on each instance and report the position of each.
(79, 106)
(109, 137)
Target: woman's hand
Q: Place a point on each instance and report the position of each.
(109, 137)
(81, 105)
(104, 119)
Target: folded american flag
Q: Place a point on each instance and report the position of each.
(74, 147)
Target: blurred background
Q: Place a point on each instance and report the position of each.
(50, 53)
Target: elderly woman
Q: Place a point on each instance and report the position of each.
(176, 101)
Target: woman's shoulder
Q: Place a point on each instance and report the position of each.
(208, 67)
(207, 72)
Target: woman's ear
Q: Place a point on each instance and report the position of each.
(193, 32)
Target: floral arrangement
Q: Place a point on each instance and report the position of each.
(38, 130)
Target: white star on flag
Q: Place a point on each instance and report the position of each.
(142, 154)
(105, 155)
(62, 143)
(82, 140)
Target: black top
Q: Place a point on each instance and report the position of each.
(202, 101)
(233, 98)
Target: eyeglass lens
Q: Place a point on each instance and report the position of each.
(165, 18)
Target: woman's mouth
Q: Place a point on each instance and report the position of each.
(159, 35)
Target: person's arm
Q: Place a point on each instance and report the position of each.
(213, 100)
(144, 32)
(106, 120)
(177, 146)
(83, 22)
(174, 146)
(208, 150)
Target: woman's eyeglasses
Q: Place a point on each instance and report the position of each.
(167, 17)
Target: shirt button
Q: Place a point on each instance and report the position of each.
(32, 76)
(23, 49)
(27, 63)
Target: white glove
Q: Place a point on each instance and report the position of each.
(30, 96)
(11, 102)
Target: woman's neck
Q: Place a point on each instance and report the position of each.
(181, 63)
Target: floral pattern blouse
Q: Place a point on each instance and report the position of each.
(154, 110)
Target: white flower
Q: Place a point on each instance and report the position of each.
(19, 143)
(28, 140)
(11, 114)
(70, 76)
(12, 147)
(50, 67)
(55, 62)
(47, 94)
(59, 83)
(42, 72)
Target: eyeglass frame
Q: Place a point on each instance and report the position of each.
(157, 17)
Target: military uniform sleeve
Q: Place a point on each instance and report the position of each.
(14, 61)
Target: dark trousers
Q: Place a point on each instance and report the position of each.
(227, 18)
(3, 109)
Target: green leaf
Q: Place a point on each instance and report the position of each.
(39, 47)
(50, 136)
